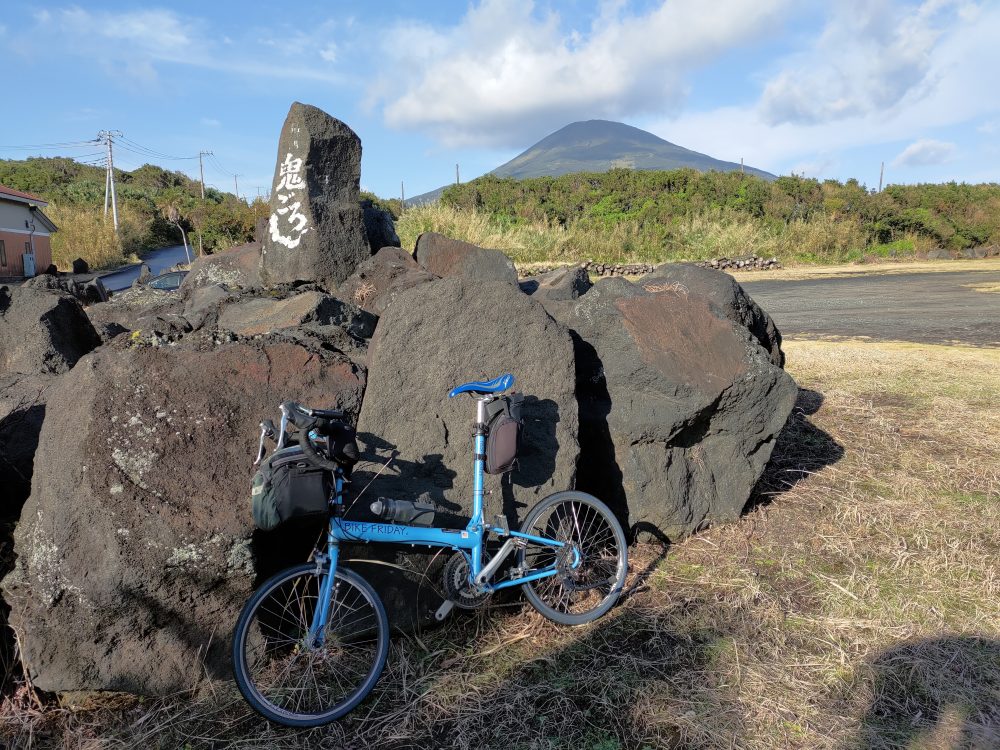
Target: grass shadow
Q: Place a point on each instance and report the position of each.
(941, 693)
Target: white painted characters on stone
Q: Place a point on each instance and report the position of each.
(288, 223)
(290, 173)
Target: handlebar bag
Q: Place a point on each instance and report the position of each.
(288, 487)
(504, 424)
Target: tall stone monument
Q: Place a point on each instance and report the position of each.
(316, 229)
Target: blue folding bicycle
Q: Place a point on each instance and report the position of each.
(312, 641)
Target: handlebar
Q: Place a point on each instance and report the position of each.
(312, 455)
(305, 419)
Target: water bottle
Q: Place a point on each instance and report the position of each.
(410, 512)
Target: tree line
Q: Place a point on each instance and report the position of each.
(147, 197)
(662, 204)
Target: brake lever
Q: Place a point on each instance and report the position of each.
(284, 426)
(261, 449)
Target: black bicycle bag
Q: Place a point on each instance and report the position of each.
(504, 425)
(287, 487)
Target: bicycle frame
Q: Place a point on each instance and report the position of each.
(469, 540)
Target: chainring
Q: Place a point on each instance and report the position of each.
(456, 584)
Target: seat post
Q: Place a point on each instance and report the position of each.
(478, 460)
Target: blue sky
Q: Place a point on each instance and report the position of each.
(825, 89)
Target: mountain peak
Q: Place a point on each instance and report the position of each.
(600, 145)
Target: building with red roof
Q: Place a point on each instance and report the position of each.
(25, 235)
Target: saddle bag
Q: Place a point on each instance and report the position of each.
(504, 424)
(287, 487)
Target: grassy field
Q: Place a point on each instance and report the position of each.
(856, 606)
(821, 240)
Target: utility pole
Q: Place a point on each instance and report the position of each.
(881, 171)
(201, 168)
(741, 166)
(108, 137)
(236, 182)
(107, 186)
(402, 197)
(457, 181)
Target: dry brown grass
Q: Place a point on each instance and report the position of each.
(857, 606)
(842, 270)
(987, 287)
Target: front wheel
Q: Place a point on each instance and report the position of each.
(297, 680)
(591, 565)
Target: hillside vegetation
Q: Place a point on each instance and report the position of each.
(75, 193)
(649, 216)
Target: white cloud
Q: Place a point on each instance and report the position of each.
(210, 122)
(959, 73)
(871, 55)
(329, 52)
(504, 74)
(925, 152)
(137, 43)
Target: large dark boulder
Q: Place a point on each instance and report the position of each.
(431, 338)
(439, 335)
(88, 288)
(236, 268)
(134, 551)
(132, 309)
(561, 285)
(443, 256)
(725, 295)
(316, 231)
(42, 330)
(379, 227)
(679, 405)
(253, 316)
(381, 278)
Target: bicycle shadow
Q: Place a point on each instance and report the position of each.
(486, 682)
(941, 693)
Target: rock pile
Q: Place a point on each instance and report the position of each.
(744, 263)
(135, 550)
(620, 269)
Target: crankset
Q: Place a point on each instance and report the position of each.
(456, 584)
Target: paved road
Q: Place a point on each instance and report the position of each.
(935, 308)
(157, 260)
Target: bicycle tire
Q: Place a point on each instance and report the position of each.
(594, 586)
(280, 631)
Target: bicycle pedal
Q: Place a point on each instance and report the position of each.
(500, 522)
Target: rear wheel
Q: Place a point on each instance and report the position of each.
(296, 682)
(591, 565)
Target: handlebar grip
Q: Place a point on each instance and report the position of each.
(312, 455)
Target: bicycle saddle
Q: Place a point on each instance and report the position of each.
(496, 385)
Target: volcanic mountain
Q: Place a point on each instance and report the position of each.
(600, 145)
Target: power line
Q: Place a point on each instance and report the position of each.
(47, 146)
(154, 152)
(222, 169)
